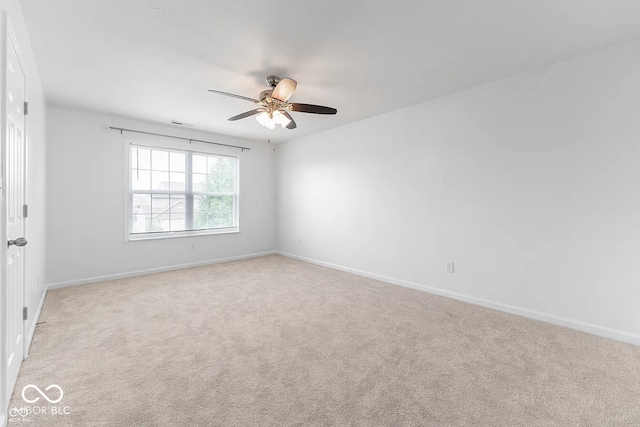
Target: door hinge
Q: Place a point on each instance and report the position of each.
(26, 108)
(25, 211)
(25, 313)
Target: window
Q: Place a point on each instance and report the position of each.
(177, 192)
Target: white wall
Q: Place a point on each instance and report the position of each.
(36, 171)
(531, 185)
(87, 192)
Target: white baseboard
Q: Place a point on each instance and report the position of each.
(532, 314)
(36, 316)
(104, 278)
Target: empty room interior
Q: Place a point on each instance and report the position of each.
(320, 213)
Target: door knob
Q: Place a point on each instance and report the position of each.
(20, 241)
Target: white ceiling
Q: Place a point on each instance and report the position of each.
(155, 59)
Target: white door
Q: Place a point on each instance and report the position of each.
(14, 178)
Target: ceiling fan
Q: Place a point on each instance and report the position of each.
(275, 108)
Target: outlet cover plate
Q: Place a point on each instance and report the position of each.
(448, 267)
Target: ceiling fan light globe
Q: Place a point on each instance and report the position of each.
(263, 118)
(281, 119)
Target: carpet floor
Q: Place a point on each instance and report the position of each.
(273, 341)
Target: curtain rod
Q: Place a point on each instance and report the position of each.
(176, 137)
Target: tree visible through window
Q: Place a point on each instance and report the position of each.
(181, 191)
(215, 209)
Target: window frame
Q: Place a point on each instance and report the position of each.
(188, 193)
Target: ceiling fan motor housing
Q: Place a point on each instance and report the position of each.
(265, 94)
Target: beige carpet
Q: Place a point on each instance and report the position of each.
(277, 342)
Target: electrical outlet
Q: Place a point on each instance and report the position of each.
(300, 242)
(38, 280)
(193, 247)
(448, 267)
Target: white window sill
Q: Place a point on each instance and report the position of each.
(178, 234)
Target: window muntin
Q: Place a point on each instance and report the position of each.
(177, 192)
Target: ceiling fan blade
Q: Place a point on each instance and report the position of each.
(234, 96)
(292, 124)
(284, 89)
(315, 109)
(247, 114)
